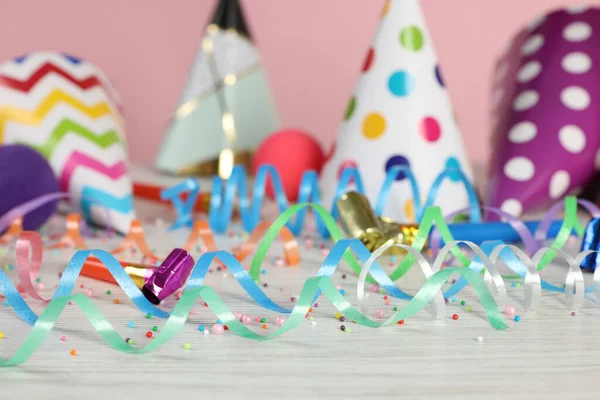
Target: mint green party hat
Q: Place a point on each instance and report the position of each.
(226, 108)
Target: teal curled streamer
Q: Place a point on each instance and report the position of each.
(313, 287)
(182, 309)
(508, 256)
(332, 261)
(224, 195)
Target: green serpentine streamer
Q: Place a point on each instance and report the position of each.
(182, 309)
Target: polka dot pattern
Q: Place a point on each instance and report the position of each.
(400, 99)
(409, 210)
(572, 138)
(430, 129)
(547, 116)
(401, 83)
(532, 45)
(512, 207)
(577, 32)
(559, 183)
(411, 38)
(397, 160)
(522, 132)
(529, 71)
(526, 100)
(344, 165)
(350, 108)
(453, 166)
(576, 63)
(438, 76)
(519, 169)
(368, 60)
(575, 98)
(373, 125)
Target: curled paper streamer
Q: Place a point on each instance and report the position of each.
(223, 196)
(313, 287)
(517, 260)
(200, 232)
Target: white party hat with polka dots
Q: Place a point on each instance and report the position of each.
(400, 114)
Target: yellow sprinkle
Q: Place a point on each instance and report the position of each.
(1, 335)
(338, 315)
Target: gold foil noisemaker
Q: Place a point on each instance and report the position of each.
(359, 221)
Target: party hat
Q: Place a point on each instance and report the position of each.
(67, 109)
(545, 120)
(226, 108)
(400, 115)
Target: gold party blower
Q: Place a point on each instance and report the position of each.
(359, 221)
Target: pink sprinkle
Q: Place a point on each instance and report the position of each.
(324, 252)
(192, 312)
(281, 289)
(238, 315)
(316, 305)
(63, 338)
(278, 262)
(257, 319)
(89, 292)
(510, 311)
(178, 296)
(379, 313)
(40, 286)
(374, 288)
(338, 287)
(203, 249)
(246, 319)
(309, 243)
(280, 321)
(217, 329)
(572, 313)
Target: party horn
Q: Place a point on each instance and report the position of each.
(169, 277)
(139, 273)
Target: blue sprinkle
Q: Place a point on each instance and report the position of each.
(6, 303)
(517, 318)
(513, 284)
(453, 299)
(264, 271)
(393, 259)
(11, 267)
(200, 328)
(219, 322)
(343, 292)
(131, 324)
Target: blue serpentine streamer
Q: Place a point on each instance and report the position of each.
(224, 194)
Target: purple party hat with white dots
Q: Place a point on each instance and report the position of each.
(546, 119)
(400, 114)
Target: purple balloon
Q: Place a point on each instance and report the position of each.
(546, 120)
(25, 175)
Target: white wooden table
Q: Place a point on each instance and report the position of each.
(548, 354)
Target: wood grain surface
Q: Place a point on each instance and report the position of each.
(548, 354)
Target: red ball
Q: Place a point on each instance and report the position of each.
(292, 152)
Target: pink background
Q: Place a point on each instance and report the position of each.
(311, 49)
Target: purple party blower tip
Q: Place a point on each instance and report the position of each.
(170, 276)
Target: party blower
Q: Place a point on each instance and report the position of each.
(156, 283)
(359, 220)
